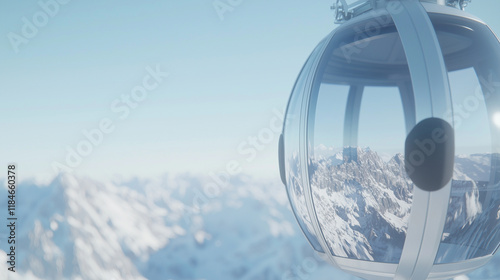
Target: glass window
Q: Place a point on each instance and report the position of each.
(356, 135)
(472, 58)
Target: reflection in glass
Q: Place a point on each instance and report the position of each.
(472, 58)
(356, 132)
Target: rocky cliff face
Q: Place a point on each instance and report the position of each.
(363, 205)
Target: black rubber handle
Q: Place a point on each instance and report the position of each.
(430, 154)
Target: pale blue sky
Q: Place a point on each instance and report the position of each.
(226, 78)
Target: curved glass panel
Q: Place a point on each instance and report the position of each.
(472, 57)
(361, 106)
(293, 167)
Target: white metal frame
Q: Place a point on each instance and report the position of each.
(429, 209)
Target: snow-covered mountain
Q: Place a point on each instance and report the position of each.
(472, 226)
(185, 227)
(173, 228)
(363, 206)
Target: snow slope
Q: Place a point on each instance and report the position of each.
(77, 228)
